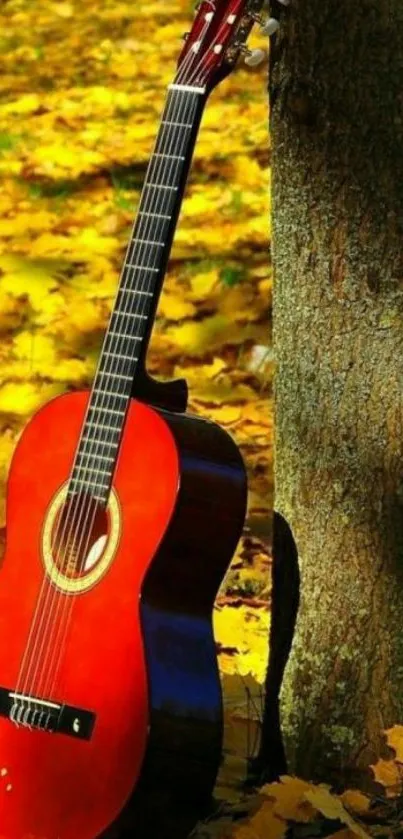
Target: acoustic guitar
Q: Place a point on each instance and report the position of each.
(123, 513)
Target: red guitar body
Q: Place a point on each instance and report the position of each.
(139, 652)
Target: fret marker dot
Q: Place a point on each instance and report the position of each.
(218, 49)
(3, 773)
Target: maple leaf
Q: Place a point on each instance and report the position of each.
(332, 807)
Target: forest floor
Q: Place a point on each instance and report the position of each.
(81, 92)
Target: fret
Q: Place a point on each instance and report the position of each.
(105, 427)
(106, 473)
(135, 291)
(148, 242)
(143, 268)
(99, 442)
(115, 375)
(124, 335)
(108, 411)
(99, 392)
(154, 215)
(129, 315)
(169, 156)
(177, 124)
(98, 457)
(162, 186)
(80, 482)
(119, 355)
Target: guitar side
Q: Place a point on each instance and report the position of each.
(186, 721)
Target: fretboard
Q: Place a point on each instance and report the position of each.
(138, 292)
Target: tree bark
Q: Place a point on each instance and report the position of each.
(336, 89)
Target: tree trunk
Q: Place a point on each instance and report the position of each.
(337, 123)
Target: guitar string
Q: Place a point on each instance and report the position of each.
(94, 477)
(98, 470)
(103, 444)
(173, 138)
(50, 667)
(191, 57)
(172, 103)
(55, 646)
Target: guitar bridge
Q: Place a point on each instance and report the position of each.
(42, 715)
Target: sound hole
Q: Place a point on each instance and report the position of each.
(79, 536)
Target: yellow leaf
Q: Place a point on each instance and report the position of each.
(35, 279)
(40, 354)
(173, 307)
(248, 172)
(64, 10)
(394, 737)
(203, 284)
(288, 797)
(206, 335)
(203, 373)
(27, 104)
(84, 316)
(40, 348)
(331, 807)
(226, 415)
(90, 240)
(25, 398)
(389, 774)
(355, 801)
(24, 222)
(246, 630)
(218, 393)
(57, 159)
(263, 824)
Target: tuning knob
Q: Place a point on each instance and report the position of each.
(270, 26)
(255, 57)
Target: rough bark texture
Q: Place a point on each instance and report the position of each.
(337, 126)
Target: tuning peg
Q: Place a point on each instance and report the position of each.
(270, 26)
(255, 57)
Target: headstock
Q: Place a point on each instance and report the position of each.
(218, 37)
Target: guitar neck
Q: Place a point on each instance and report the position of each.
(126, 340)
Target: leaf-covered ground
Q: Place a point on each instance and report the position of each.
(81, 90)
